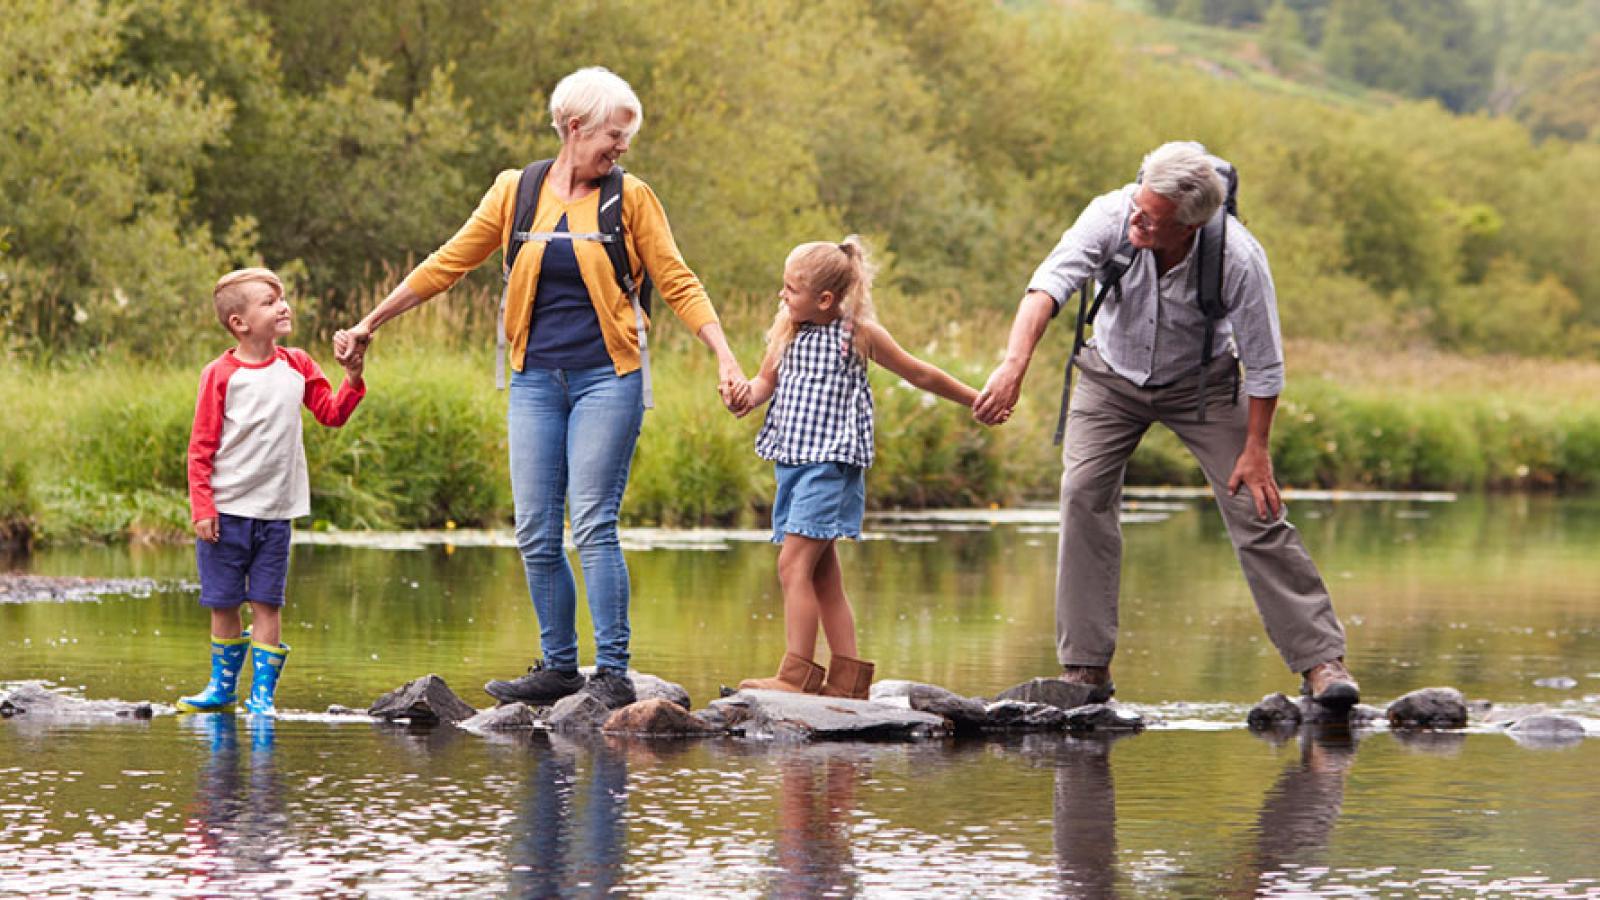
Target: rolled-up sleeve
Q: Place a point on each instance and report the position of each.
(656, 248)
(1082, 248)
(1253, 313)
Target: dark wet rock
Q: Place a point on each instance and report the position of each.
(1020, 715)
(36, 701)
(1274, 711)
(785, 716)
(509, 717)
(656, 716)
(1103, 717)
(582, 711)
(1547, 730)
(1562, 683)
(726, 714)
(965, 713)
(1052, 691)
(426, 700)
(1440, 707)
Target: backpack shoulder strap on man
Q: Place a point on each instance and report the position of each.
(612, 235)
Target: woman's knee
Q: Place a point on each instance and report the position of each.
(539, 537)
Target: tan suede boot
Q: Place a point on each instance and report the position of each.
(796, 674)
(848, 678)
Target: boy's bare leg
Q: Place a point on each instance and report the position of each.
(225, 623)
(838, 619)
(797, 568)
(264, 624)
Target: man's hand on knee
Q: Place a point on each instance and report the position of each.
(1254, 470)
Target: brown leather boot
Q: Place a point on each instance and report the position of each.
(796, 674)
(848, 678)
(1331, 685)
(1096, 677)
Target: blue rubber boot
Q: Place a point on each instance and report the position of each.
(227, 658)
(266, 664)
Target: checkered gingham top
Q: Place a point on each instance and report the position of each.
(822, 409)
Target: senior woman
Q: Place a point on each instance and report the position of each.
(577, 391)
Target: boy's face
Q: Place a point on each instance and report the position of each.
(266, 312)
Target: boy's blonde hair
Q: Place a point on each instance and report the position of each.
(229, 296)
(845, 270)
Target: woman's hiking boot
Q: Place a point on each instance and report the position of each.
(227, 659)
(848, 678)
(1097, 678)
(612, 687)
(796, 674)
(266, 664)
(1331, 685)
(542, 686)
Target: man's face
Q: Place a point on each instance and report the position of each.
(1153, 222)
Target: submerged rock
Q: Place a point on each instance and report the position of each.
(1547, 730)
(656, 716)
(426, 700)
(786, 716)
(1561, 683)
(1439, 707)
(1053, 691)
(510, 717)
(582, 711)
(37, 701)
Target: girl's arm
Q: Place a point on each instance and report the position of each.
(881, 348)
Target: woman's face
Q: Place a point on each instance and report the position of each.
(594, 153)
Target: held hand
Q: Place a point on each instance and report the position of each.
(730, 382)
(1254, 470)
(351, 342)
(742, 400)
(999, 395)
(206, 530)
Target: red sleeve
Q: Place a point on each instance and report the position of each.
(329, 408)
(205, 436)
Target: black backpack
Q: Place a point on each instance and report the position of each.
(611, 235)
(1209, 255)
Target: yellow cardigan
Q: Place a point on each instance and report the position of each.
(649, 240)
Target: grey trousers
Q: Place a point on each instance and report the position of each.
(1109, 416)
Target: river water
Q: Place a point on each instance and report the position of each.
(1499, 597)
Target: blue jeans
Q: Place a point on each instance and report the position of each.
(572, 434)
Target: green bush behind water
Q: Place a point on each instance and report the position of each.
(101, 456)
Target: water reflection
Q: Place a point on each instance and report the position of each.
(237, 825)
(816, 801)
(1298, 814)
(1085, 815)
(570, 832)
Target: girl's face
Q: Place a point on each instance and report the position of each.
(805, 305)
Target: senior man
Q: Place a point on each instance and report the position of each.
(1150, 361)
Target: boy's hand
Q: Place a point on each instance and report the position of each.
(353, 365)
(206, 530)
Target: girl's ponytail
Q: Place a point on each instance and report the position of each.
(843, 269)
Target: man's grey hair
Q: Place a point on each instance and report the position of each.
(1182, 171)
(594, 96)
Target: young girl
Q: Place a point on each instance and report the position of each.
(818, 433)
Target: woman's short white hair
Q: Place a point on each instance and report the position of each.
(1183, 172)
(594, 96)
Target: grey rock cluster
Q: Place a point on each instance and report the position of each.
(1428, 709)
(37, 701)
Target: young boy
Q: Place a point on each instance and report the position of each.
(247, 479)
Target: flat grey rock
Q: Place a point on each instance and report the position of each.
(965, 713)
(806, 717)
(578, 712)
(510, 717)
(426, 700)
(1547, 730)
(1052, 691)
(656, 716)
(1438, 707)
(36, 701)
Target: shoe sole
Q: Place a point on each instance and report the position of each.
(506, 697)
(191, 708)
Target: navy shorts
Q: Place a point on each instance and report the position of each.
(249, 561)
(819, 500)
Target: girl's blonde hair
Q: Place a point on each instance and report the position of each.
(845, 270)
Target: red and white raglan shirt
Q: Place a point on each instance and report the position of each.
(246, 457)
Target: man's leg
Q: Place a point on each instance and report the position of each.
(1103, 428)
(1288, 591)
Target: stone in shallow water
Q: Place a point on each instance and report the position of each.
(656, 716)
(1274, 711)
(37, 701)
(1020, 715)
(1103, 717)
(785, 716)
(1547, 730)
(510, 717)
(652, 687)
(965, 713)
(1439, 707)
(578, 712)
(1279, 711)
(425, 700)
(1562, 683)
(1053, 691)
